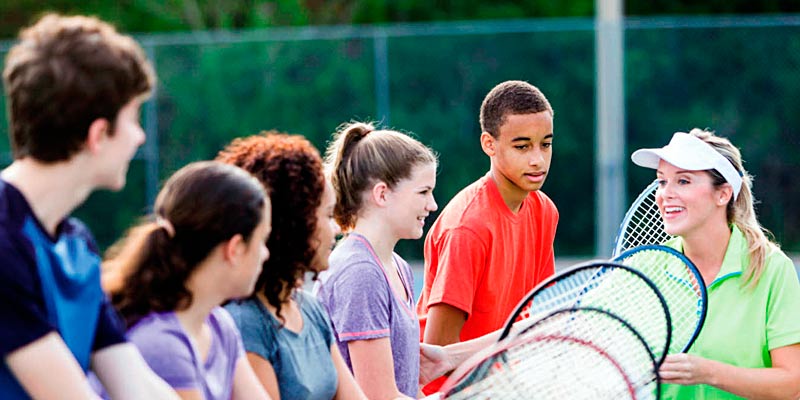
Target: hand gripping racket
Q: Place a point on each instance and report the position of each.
(679, 282)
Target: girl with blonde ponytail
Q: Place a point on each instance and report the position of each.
(749, 346)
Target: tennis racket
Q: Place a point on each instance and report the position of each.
(679, 282)
(611, 287)
(642, 223)
(580, 353)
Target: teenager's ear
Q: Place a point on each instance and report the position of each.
(488, 143)
(379, 192)
(98, 132)
(234, 247)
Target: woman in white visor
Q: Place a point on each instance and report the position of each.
(749, 346)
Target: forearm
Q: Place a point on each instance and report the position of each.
(373, 368)
(126, 375)
(444, 324)
(754, 383)
(46, 369)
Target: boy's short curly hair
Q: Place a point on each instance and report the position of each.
(65, 73)
(510, 98)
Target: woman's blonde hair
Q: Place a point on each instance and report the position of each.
(741, 211)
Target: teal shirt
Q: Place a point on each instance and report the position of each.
(743, 324)
(302, 360)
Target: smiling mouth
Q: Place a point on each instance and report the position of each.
(673, 210)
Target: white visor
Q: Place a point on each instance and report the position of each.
(691, 153)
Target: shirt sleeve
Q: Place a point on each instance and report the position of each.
(783, 326)
(110, 327)
(168, 355)
(23, 316)
(360, 308)
(461, 263)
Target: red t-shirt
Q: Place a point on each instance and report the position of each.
(483, 259)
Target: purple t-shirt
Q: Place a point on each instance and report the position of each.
(170, 354)
(361, 303)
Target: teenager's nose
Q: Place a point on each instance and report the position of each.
(536, 158)
(432, 206)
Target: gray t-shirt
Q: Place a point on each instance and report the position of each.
(361, 304)
(302, 361)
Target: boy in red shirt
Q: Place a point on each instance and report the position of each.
(494, 241)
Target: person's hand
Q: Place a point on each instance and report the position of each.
(433, 363)
(685, 369)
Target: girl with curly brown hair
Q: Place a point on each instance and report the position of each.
(287, 334)
(169, 276)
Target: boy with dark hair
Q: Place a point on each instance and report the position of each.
(494, 241)
(74, 87)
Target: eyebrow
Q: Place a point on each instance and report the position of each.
(682, 171)
(528, 139)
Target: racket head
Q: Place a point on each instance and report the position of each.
(572, 353)
(615, 288)
(612, 333)
(642, 223)
(681, 284)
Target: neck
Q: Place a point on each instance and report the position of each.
(52, 190)
(512, 195)
(379, 236)
(707, 249)
(206, 295)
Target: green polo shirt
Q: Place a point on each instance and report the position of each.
(743, 324)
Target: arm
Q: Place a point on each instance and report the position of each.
(782, 381)
(246, 384)
(125, 374)
(373, 367)
(347, 387)
(436, 360)
(444, 324)
(63, 377)
(265, 374)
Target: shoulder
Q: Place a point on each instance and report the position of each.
(312, 308)
(778, 265)
(223, 319)
(248, 317)
(472, 201)
(76, 229)
(158, 335)
(542, 203)
(352, 257)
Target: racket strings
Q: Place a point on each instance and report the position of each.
(642, 224)
(679, 283)
(556, 366)
(617, 290)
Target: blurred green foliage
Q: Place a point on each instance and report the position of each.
(182, 15)
(741, 82)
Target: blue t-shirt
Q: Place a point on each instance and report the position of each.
(302, 361)
(49, 284)
(172, 355)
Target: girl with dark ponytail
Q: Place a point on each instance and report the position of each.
(168, 277)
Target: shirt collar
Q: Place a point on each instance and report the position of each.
(735, 255)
